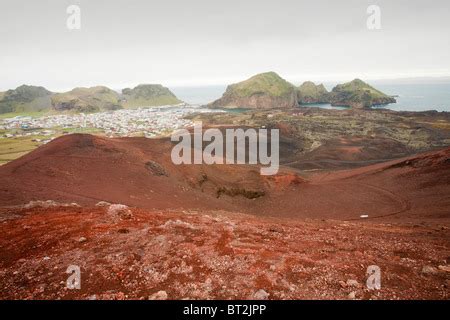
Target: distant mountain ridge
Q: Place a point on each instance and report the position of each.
(262, 91)
(27, 98)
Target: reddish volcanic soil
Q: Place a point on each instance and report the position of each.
(198, 231)
(215, 255)
(139, 172)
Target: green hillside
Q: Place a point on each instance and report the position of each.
(309, 92)
(358, 94)
(25, 99)
(92, 99)
(269, 83)
(147, 95)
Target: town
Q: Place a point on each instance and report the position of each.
(148, 122)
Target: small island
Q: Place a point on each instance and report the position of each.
(309, 93)
(268, 90)
(262, 91)
(357, 94)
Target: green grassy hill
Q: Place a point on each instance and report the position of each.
(92, 99)
(264, 90)
(358, 94)
(25, 99)
(308, 92)
(148, 95)
(268, 83)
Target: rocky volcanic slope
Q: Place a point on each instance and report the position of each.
(262, 91)
(25, 99)
(181, 238)
(134, 171)
(148, 95)
(139, 172)
(358, 94)
(308, 93)
(141, 254)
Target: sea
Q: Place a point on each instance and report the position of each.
(411, 94)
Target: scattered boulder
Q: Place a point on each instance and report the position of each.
(40, 203)
(178, 223)
(102, 204)
(429, 270)
(261, 295)
(160, 295)
(444, 268)
(352, 283)
(120, 210)
(82, 239)
(156, 169)
(48, 204)
(352, 295)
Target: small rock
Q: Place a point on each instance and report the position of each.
(82, 239)
(160, 295)
(120, 210)
(444, 268)
(352, 283)
(342, 284)
(352, 295)
(429, 270)
(46, 258)
(102, 204)
(261, 295)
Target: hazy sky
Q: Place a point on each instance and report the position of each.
(200, 42)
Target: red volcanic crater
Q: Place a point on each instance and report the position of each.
(188, 233)
(139, 172)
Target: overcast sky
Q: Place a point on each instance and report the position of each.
(201, 42)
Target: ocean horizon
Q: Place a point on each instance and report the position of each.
(418, 95)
